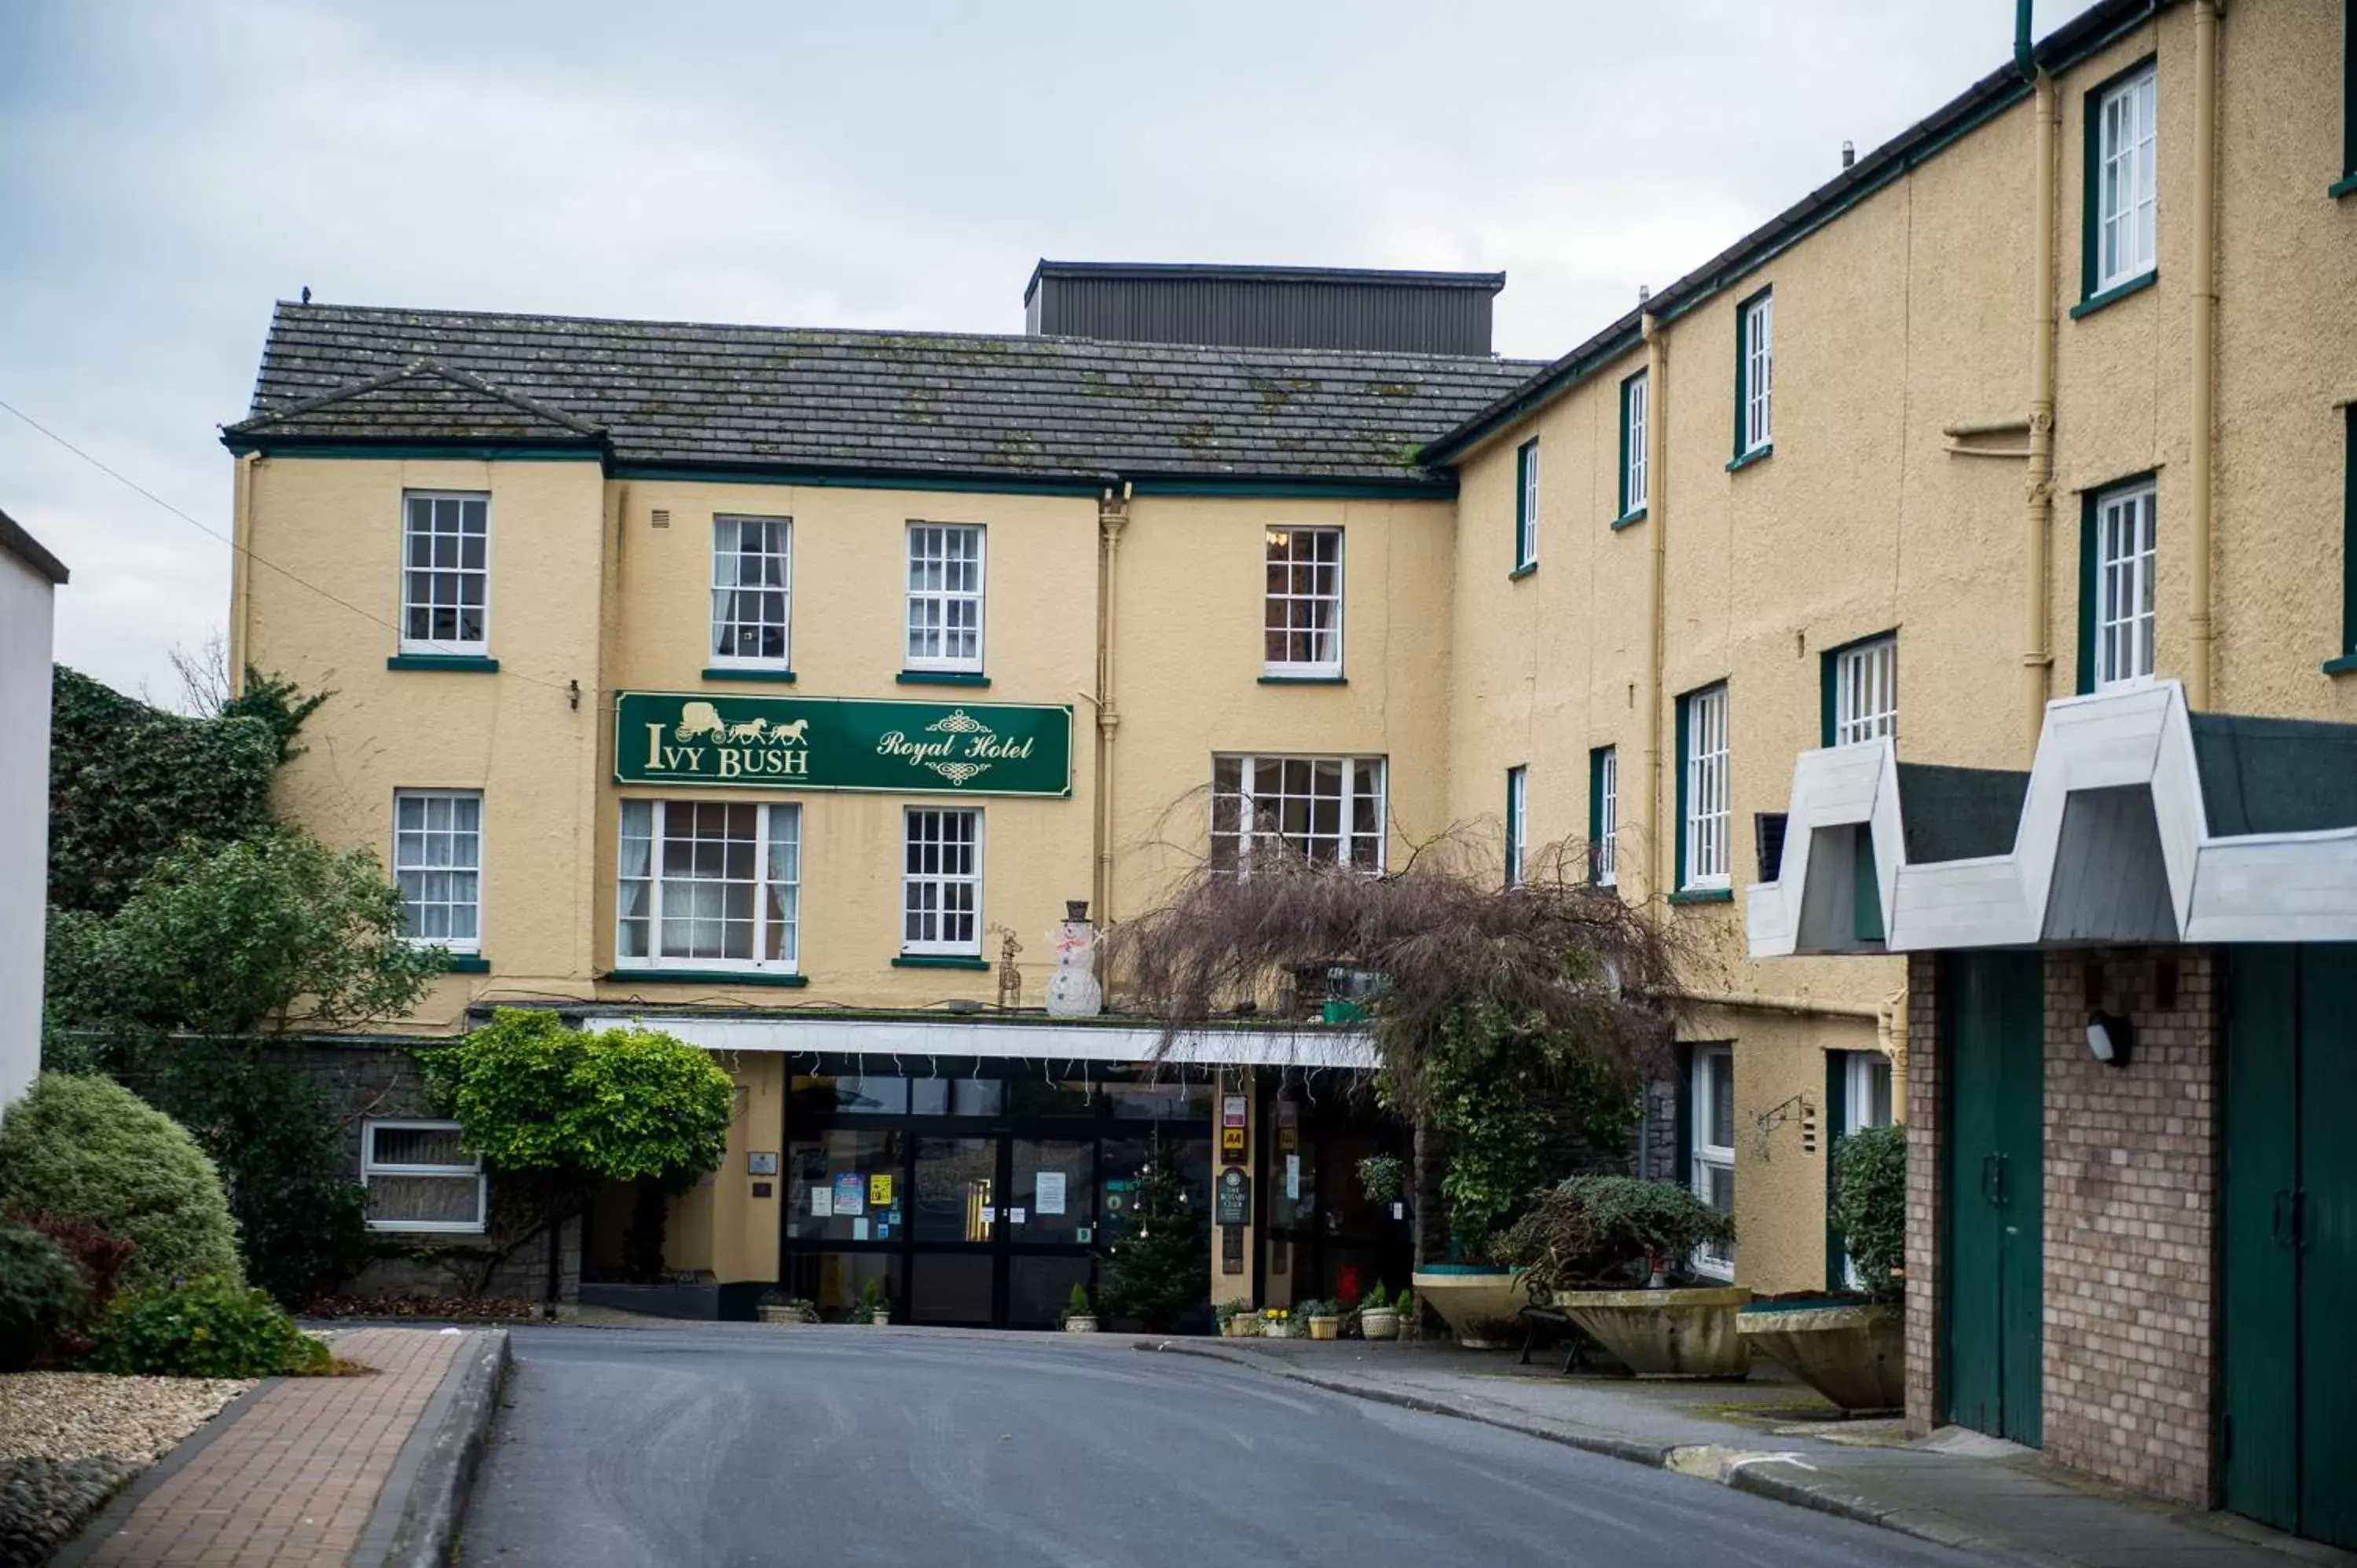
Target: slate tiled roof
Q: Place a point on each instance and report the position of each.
(667, 393)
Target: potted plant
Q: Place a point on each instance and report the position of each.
(1378, 1318)
(1850, 1345)
(1080, 1317)
(1277, 1323)
(1596, 1245)
(874, 1304)
(1404, 1305)
(1236, 1318)
(776, 1306)
(1324, 1318)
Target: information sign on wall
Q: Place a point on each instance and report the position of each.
(842, 742)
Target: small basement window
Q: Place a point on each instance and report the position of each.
(418, 1178)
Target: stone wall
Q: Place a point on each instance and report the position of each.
(2131, 1171)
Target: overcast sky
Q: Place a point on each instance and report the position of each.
(168, 169)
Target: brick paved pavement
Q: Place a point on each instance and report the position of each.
(291, 1483)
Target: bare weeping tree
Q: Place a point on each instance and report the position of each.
(1489, 1001)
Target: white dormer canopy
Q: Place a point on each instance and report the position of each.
(2139, 821)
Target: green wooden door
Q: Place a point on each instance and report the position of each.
(1996, 1273)
(2290, 1377)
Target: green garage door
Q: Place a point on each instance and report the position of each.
(1995, 1279)
(2289, 1437)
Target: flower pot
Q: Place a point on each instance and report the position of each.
(1379, 1323)
(1248, 1326)
(788, 1315)
(881, 1318)
(1665, 1333)
(1853, 1352)
(1478, 1301)
(1078, 1323)
(1325, 1328)
(1280, 1330)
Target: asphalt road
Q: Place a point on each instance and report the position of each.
(845, 1448)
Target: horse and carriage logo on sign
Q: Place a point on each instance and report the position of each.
(703, 719)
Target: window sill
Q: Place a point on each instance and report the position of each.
(1703, 896)
(467, 963)
(1757, 455)
(2095, 302)
(941, 678)
(2345, 185)
(1628, 519)
(473, 663)
(2344, 665)
(421, 1227)
(939, 961)
(719, 977)
(1276, 679)
(1523, 571)
(748, 672)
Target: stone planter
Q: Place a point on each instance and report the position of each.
(1325, 1328)
(1853, 1352)
(1379, 1323)
(788, 1315)
(1078, 1323)
(881, 1318)
(1665, 1333)
(1287, 1330)
(1479, 1302)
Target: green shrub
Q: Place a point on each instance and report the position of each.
(1376, 1300)
(1869, 1207)
(1077, 1304)
(206, 1328)
(89, 1149)
(98, 1254)
(41, 1295)
(1592, 1231)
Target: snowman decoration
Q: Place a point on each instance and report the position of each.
(1073, 990)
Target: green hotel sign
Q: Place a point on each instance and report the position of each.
(842, 742)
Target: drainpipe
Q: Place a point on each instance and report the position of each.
(2025, 64)
(2038, 649)
(2205, 315)
(1657, 559)
(240, 571)
(1112, 513)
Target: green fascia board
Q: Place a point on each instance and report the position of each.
(1628, 520)
(748, 672)
(467, 963)
(2091, 110)
(1542, 388)
(1523, 571)
(1764, 450)
(720, 978)
(1703, 896)
(416, 447)
(460, 663)
(938, 960)
(1437, 487)
(2117, 292)
(941, 677)
(1305, 680)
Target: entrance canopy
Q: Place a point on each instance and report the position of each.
(1025, 1037)
(2139, 821)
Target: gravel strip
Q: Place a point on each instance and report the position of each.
(43, 1502)
(81, 1415)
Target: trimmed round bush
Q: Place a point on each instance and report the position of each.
(89, 1149)
(206, 1328)
(1869, 1207)
(41, 1293)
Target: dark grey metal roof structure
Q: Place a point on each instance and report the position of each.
(27, 549)
(1959, 814)
(1275, 307)
(1055, 412)
(2274, 776)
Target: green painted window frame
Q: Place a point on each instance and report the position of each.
(2091, 564)
(2347, 184)
(1518, 792)
(1829, 683)
(1628, 513)
(2092, 294)
(1604, 828)
(1712, 893)
(2345, 661)
(1526, 508)
(1746, 450)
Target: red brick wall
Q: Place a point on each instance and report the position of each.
(1924, 1069)
(2132, 1168)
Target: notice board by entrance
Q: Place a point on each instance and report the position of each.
(842, 742)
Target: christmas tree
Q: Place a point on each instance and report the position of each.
(1160, 1265)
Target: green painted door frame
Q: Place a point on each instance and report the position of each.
(2288, 1437)
(1994, 1331)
